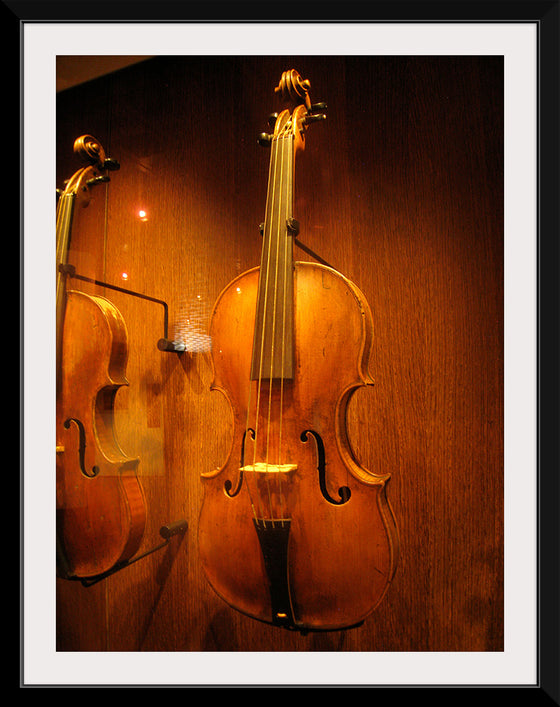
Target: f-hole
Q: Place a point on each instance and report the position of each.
(343, 492)
(82, 447)
(228, 484)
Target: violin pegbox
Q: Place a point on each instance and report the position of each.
(91, 154)
(294, 90)
(89, 150)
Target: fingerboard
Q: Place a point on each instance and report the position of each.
(273, 352)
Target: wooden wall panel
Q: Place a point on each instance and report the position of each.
(401, 191)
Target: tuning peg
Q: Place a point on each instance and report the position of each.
(313, 118)
(317, 107)
(98, 180)
(272, 118)
(111, 165)
(264, 139)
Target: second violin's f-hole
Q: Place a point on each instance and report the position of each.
(82, 447)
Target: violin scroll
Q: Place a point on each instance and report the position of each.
(293, 88)
(90, 150)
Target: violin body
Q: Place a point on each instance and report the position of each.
(100, 507)
(293, 531)
(336, 559)
(100, 503)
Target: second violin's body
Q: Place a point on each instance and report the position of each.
(100, 503)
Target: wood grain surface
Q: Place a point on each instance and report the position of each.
(400, 190)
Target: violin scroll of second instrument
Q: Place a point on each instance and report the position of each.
(100, 511)
(293, 531)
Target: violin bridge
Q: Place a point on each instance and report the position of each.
(270, 488)
(265, 468)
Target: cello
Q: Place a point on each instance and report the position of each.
(293, 531)
(100, 506)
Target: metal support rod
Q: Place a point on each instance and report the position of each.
(293, 229)
(166, 532)
(163, 344)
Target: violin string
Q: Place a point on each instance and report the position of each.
(106, 231)
(266, 255)
(287, 273)
(64, 212)
(61, 228)
(60, 208)
(276, 223)
(245, 443)
(279, 231)
(63, 220)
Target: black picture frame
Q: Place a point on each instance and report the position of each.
(14, 14)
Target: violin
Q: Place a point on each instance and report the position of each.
(293, 531)
(100, 507)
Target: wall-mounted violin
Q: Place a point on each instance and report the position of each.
(100, 507)
(293, 531)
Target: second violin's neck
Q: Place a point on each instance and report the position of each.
(273, 355)
(64, 214)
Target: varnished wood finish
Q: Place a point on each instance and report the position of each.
(341, 557)
(409, 206)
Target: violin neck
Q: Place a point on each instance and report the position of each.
(64, 214)
(273, 350)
